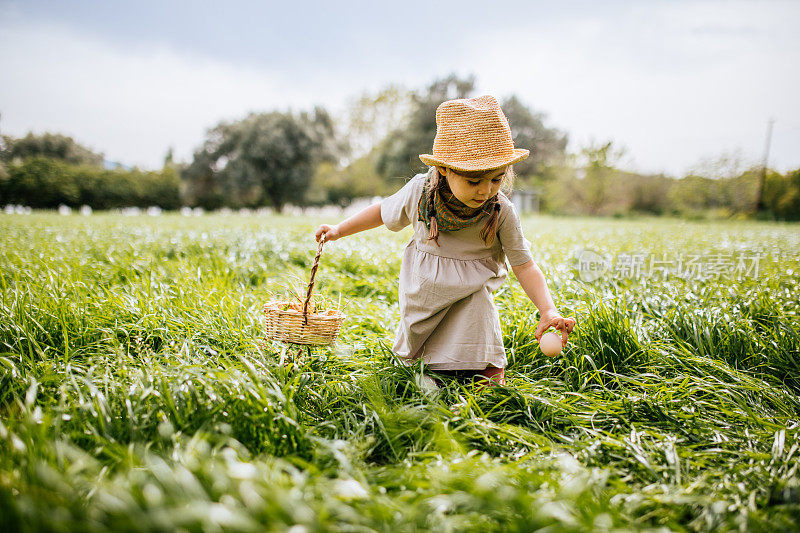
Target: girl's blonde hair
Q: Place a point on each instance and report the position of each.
(437, 181)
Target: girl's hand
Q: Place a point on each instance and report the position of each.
(554, 320)
(331, 233)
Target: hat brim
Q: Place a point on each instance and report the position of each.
(472, 165)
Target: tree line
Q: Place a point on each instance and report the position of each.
(49, 170)
(311, 158)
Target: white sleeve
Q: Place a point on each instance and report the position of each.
(516, 247)
(400, 209)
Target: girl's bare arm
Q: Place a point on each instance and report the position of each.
(533, 282)
(365, 219)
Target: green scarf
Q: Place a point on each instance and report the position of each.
(450, 212)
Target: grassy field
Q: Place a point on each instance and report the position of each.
(136, 393)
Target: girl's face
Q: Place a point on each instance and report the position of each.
(474, 189)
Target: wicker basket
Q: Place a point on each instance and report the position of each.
(302, 327)
(294, 327)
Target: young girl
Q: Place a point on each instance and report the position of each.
(464, 229)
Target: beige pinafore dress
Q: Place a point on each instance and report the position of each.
(447, 314)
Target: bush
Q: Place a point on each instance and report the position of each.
(41, 182)
(782, 195)
(342, 186)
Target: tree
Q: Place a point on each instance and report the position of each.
(169, 158)
(782, 195)
(342, 186)
(726, 165)
(598, 175)
(398, 153)
(648, 193)
(547, 145)
(370, 117)
(50, 145)
(264, 159)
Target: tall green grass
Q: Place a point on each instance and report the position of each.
(137, 394)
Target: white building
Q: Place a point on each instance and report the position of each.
(525, 201)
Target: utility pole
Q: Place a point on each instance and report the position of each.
(763, 177)
(2, 141)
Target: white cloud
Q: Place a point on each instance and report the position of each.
(673, 82)
(130, 105)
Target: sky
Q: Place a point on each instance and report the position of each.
(677, 84)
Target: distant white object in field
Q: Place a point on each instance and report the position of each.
(154, 211)
(191, 212)
(86, 210)
(350, 489)
(12, 209)
(550, 344)
(64, 210)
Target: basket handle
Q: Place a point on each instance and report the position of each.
(311, 281)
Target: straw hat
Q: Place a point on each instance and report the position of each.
(472, 134)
